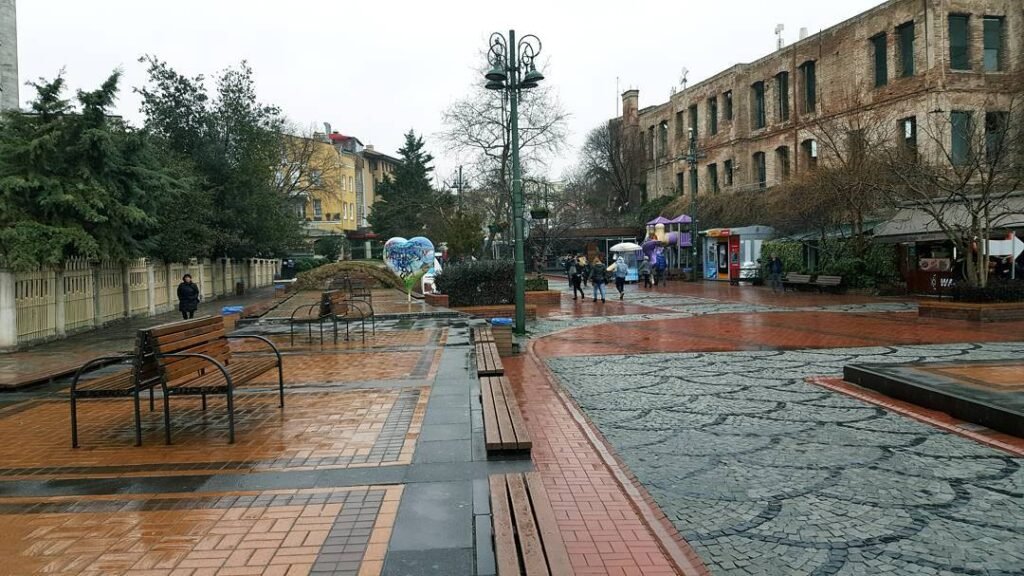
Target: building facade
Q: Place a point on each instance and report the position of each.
(906, 63)
(9, 84)
(336, 192)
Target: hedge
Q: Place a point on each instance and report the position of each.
(876, 265)
(996, 291)
(484, 283)
(536, 284)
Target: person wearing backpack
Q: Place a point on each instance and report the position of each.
(576, 278)
(660, 265)
(598, 277)
(621, 270)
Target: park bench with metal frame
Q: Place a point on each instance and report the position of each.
(793, 281)
(189, 357)
(823, 282)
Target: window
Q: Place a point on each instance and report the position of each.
(908, 135)
(713, 177)
(680, 179)
(650, 143)
(757, 104)
(680, 129)
(880, 48)
(905, 37)
(809, 149)
(760, 170)
(693, 181)
(300, 210)
(959, 43)
(782, 163)
(995, 136)
(693, 122)
(782, 88)
(315, 177)
(960, 123)
(809, 80)
(727, 97)
(727, 167)
(318, 210)
(663, 139)
(993, 44)
(713, 115)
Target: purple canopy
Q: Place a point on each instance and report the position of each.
(659, 220)
(681, 219)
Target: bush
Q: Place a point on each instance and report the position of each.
(485, 283)
(996, 291)
(536, 284)
(876, 265)
(791, 253)
(319, 278)
(309, 264)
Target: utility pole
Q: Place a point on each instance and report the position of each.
(692, 157)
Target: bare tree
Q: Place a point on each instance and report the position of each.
(612, 158)
(479, 125)
(965, 176)
(308, 163)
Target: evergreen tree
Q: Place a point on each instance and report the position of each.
(75, 181)
(405, 201)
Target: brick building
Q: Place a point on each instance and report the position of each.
(909, 62)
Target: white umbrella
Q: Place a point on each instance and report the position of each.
(626, 247)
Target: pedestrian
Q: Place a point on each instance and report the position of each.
(567, 263)
(621, 270)
(576, 278)
(598, 277)
(644, 269)
(660, 265)
(188, 297)
(775, 273)
(584, 266)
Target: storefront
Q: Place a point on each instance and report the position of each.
(728, 251)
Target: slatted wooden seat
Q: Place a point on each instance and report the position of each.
(193, 357)
(488, 361)
(526, 536)
(482, 335)
(793, 281)
(504, 427)
(823, 283)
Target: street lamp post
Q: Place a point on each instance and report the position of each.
(692, 157)
(512, 70)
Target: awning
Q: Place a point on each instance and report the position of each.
(913, 224)
(681, 219)
(659, 220)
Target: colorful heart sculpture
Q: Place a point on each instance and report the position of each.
(408, 258)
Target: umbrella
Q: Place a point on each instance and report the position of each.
(625, 247)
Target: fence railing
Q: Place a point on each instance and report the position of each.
(47, 303)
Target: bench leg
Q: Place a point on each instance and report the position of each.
(231, 417)
(74, 421)
(138, 419)
(151, 399)
(280, 381)
(204, 401)
(167, 418)
(334, 322)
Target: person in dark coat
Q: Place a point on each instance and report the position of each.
(188, 297)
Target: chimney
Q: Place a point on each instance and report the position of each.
(369, 147)
(803, 33)
(631, 107)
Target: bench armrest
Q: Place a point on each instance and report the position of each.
(255, 337)
(81, 370)
(303, 307)
(359, 303)
(209, 359)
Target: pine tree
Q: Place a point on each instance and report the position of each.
(405, 201)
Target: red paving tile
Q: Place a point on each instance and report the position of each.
(772, 331)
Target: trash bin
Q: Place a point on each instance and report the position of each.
(239, 288)
(501, 328)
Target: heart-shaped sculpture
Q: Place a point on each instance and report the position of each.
(408, 258)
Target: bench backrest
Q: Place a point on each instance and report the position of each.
(798, 277)
(338, 303)
(197, 336)
(829, 280)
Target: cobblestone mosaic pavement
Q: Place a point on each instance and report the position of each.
(764, 473)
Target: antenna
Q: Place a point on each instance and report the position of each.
(682, 77)
(778, 32)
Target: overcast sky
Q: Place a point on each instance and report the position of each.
(374, 69)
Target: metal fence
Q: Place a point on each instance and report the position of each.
(83, 295)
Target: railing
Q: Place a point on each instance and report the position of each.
(50, 303)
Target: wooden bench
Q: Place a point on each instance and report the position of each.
(119, 384)
(526, 536)
(794, 281)
(193, 358)
(823, 283)
(334, 306)
(504, 428)
(488, 361)
(482, 335)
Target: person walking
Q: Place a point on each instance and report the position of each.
(188, 297)
(621, 270)
(775, 273)
(598, 277)
(584, 267)
(567, 263)
(576, 278)
(644, 270)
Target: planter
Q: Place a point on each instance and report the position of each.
(539, 213)
(976, 312)
(438, 300)
(544, 297)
